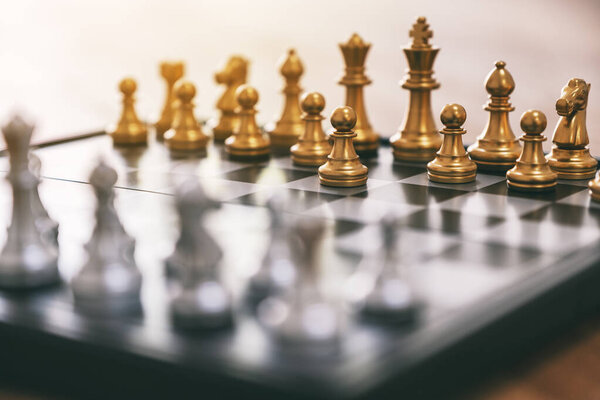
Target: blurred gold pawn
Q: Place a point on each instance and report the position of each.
(248, 140)
(313, 147)
(130, 130)
(594, 186)
(185, 133)
(171, 72)
(532, 172)
(285, 132)
(451, 163)
(343, 167)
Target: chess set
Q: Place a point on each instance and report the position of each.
(282, 261)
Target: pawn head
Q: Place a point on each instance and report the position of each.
(533, 122)
(453, 116)
(247, 96)
(128, 86)
(343, 119)
(313, 103)
(185, 91)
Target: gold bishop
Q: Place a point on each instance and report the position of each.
(497, 149)
(129, 130)
(285, 132)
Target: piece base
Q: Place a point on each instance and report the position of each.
(449, 178)
(343, 181)
(531, 187)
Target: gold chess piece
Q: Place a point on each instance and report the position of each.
(232, 76)
(248, 140)
(313, 146)
(532, 172)
(185, 133)
(497, 148)
(171, 71)
(451, 163)
(285, 132)
(570, 157)
(594, 188)
(343, 167)
(355, 53)
(418, 139)
(130, 130)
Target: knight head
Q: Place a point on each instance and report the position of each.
(574, 97)
(235, 71)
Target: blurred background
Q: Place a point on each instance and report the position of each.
(61, 60)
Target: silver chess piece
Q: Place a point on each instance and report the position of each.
(109, 282)
(276, 270)
(46, 225)
(203, 301)
(302, 315)
(386, 290)
(27, 259)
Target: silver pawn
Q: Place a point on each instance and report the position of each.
(203, 301)
(109, 282)
(388, 295)
(302, 315)
(276, 271)
(27, 259)
(46, 225)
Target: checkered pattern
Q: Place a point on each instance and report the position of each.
(463, 243)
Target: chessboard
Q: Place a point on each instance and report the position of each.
(497, 272)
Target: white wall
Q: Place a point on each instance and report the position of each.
(61, 60)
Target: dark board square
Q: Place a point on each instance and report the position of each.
(395, 172)
(266, 175)
(294, 200)
(561, 191)
(566, 214)
(448, 221)
(490, 254)
(405, 193)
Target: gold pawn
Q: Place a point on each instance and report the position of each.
(248, 140)
(355, 53)
(313, 146)
(232, 76)
(532, 172)
(343, 167)
(497, 148)
(594, 186)
(186, 133)
(130, 130)
(452, 164)
(417, 139)
(285, 132)
(171, 72)
(570, 157)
